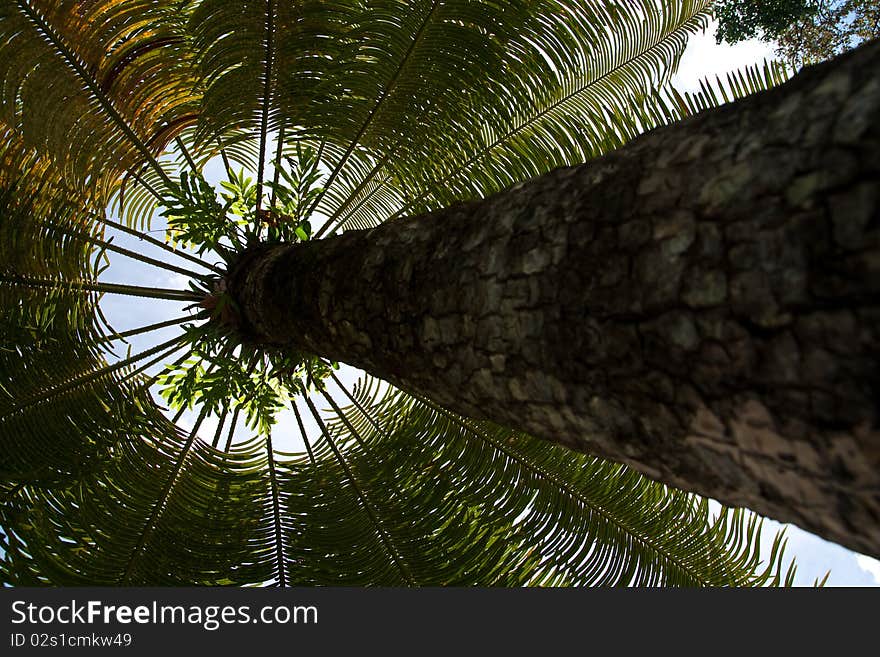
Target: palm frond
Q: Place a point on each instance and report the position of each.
(98, 80)
(229, 43)
(591, 522)
(457, 502)
(602, 63)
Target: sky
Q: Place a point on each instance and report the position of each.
(703, 58)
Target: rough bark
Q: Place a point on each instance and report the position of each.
(701, 305)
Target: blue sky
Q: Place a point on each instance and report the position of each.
(703, 57)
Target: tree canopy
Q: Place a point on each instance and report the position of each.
(805, 31)
(346, 115)
(768, 19)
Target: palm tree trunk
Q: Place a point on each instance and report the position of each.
(701, 305)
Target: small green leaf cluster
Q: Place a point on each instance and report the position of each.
(194, 215)
(295, 193)
(199, 219)
(219, 375)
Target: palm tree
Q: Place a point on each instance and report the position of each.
(629, 308)
(346, 114)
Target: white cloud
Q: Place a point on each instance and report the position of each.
(177, 281)
(870, 566)
(209, 428)
(704, 57)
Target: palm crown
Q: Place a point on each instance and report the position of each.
(345, 115)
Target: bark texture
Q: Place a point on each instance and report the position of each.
(701, 305)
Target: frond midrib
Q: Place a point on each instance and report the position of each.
(563, 486)
(364, 498)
